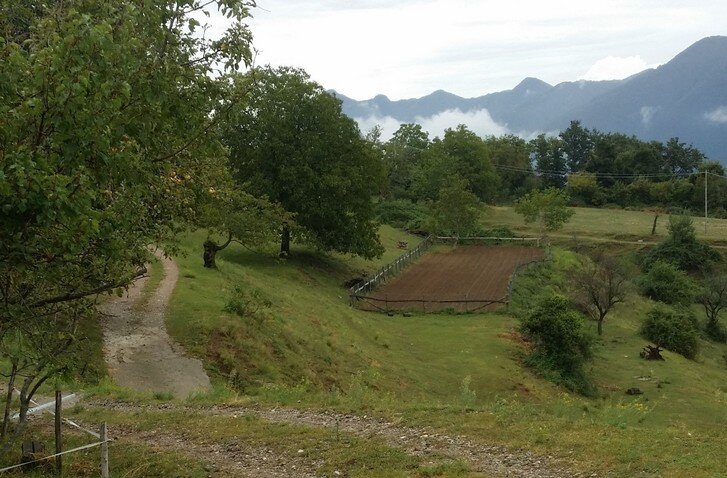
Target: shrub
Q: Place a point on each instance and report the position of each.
(682, 248)
(401, 213)
(561, 344)
(672, 329)
(666, 283)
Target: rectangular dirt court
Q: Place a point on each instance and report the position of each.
(465, 278)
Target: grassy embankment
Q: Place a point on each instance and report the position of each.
(461, 374)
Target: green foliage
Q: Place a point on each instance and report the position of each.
(681, 248)
(105, 139)
(666, 283)
(248, 304)
(549, 160)
(584, 188)
(401, 213)
(548, 208)
(561, 344)
(403, 153)
(459, 153)
(672, 329)
(292, 143)
(456, 211)
(713, 298)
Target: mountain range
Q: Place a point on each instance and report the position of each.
(684, 98)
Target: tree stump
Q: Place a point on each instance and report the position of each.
(31, 451)
(651, 352)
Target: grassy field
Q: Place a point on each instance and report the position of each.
(460, 373)
(616, 224)
(280, 332)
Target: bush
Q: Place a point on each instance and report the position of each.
(401, 213)
(666, 283)
(248, 304)
(682, 248)
(715, 331)
(673, 329)
(561, 344)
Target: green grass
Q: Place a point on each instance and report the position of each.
(459, 373)
(616, 224)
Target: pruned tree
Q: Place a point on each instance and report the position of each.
(713, 298)
(601, 283)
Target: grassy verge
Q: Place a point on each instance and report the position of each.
(614, 224)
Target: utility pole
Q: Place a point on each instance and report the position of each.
(706, 175)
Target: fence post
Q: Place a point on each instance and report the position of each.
(59, 443)
(104, 451)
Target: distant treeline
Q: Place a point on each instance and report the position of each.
(597, 169)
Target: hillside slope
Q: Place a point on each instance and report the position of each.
(458, 374)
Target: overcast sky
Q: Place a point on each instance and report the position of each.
(409, 48)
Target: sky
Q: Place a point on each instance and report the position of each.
(410, 48)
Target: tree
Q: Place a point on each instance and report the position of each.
(549, 161)
(713, 298)
(460, 152)
(672, 329)
(403, 152)
(457, 210)
(548, 208)
(106, 114)
(666, 283)
(601, 284)
(682, 249)
(584, 186)
(561, 345)
(511, 156)
(577, 146)
(292, 143)
(240, 218)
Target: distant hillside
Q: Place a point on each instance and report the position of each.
(686, 97)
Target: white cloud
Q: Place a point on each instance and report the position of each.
(717, 116)
(480, 122)
(410, 48)
(647, 114)
(615, 68)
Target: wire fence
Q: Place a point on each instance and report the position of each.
(360, 294)
(392, 269)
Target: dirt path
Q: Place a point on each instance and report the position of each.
(422, 442)
(139, 352)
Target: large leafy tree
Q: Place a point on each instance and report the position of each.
(403, 152)
(456, 211)
(548, 208)
(462, 153)
(105, 134)
(292, 143)
(550, 161)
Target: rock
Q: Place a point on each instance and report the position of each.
(634, 391)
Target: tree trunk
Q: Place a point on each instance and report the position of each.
(600, 326)
(9, 400)
(210, 253)
(653, 228)
(285, 242)
(211, 249)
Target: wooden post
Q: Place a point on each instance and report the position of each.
(59, 442)
(104, 451)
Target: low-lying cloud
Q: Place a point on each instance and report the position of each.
(717, 116)
(479, 121)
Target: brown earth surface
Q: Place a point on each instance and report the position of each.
(139, 352)
(467, 278)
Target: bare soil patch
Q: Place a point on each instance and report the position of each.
(139, 352)
(466, 278)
